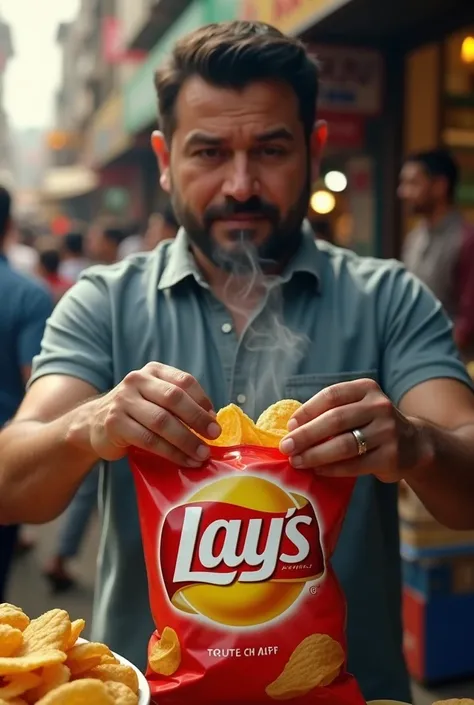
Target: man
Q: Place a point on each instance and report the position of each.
(161, 226)
(23, 313)
(73, 261)
(103, 240)
(48, 268)
(245, 306)
(440, 250)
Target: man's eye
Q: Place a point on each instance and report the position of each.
(271, 151)
(209, 153)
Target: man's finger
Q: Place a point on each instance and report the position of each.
(328, 425)
(330, 398)
(183, 380)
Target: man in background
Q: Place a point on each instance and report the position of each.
(161, 226)
(73, 259)
(26, 305)
(103, 240)
(48, 268)
(440, 250)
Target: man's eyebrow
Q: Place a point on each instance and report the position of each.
(196, 138)
(278, 133)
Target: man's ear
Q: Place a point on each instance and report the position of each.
(161, 150)
(317, 143)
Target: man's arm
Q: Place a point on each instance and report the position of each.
(443, 412)
(42, 462)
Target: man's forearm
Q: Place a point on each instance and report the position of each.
(42, 464)
(445, 482)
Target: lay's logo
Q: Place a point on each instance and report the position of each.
(240, 550)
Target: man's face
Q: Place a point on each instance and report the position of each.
(239, 170)
(417, 189)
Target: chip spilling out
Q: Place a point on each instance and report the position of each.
(238, 555)
(316, 661)
(165, 656)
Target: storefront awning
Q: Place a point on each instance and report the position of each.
(68, 182)
(404, 23)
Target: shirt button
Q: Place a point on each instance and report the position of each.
(241, 398)
(226, 327)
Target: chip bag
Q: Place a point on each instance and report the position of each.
(246, 605)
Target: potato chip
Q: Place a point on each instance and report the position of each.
(51, 677)
(31, 662)
(83, 692)
(119, 673)
(14, 616)
(83, 657)
(276, 417)
(10, 640)
(108, 658)
(249, 432)
(121, 693)
(316, 661)
(18, 684)
(52, 630)
(230, 421)
(165, 656)
(77, 628)
(269, 439)
(455, 701)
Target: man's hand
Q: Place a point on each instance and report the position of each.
(151, 409)
(320, 434)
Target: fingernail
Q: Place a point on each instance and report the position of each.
(287, 446)
(213, 430)
(193, 463)
(292, 425)
(297, 461)
(203, 452)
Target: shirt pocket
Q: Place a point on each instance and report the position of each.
(303, 387)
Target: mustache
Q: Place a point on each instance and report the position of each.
(253, 206)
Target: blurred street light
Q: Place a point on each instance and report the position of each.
(323, 202)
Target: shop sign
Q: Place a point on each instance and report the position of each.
(351, 80)
(107, 137)
(344, 131)
(290, 16)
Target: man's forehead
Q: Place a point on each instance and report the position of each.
(199, 100)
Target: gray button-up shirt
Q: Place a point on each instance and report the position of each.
(332, 316)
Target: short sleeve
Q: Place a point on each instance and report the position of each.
(77, 339)
(36, 308)
(417, 342)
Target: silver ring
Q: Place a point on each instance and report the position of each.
(361, 441)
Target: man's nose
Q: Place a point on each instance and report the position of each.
(240, 182)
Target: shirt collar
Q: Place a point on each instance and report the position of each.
(181, 264)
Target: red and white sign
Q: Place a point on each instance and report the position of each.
(344, 131)
(113, 49)
(351, 80)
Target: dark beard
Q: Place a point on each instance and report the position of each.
(280, 245)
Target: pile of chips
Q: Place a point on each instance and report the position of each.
(41, 663)
(240, 429)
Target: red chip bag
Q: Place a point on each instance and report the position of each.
(246, 605)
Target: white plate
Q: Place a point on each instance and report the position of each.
(144, 696)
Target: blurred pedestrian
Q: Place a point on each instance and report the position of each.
(26, 305)
(48, 268)
(73, 261)
(161, 226)
(440, 250)
(20, 251)
(103, 240)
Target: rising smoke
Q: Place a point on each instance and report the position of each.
(273, 351)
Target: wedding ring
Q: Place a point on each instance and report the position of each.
(361, 441)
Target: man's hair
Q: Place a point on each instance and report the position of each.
(233, 55)
(438, 162)
(50, 260)
(111, 229)
(74, 243)
(5, 211)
